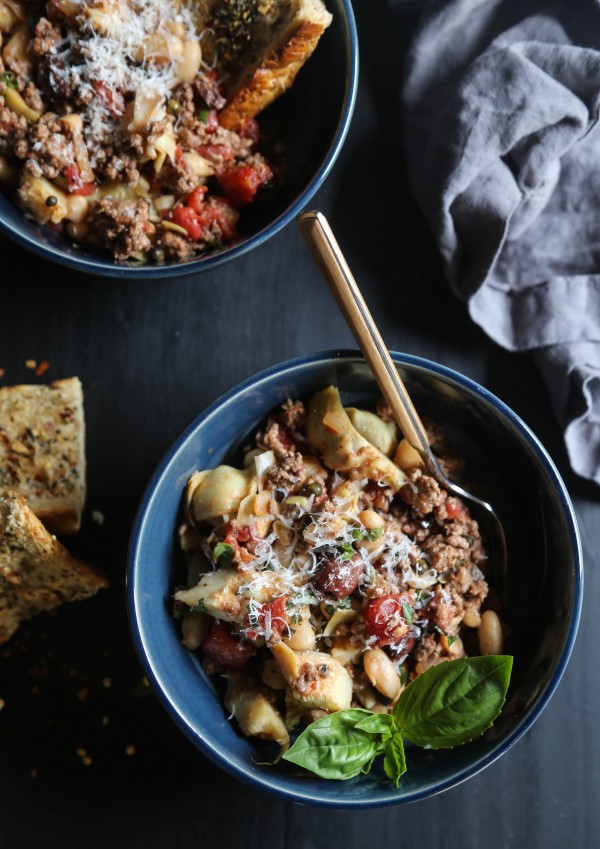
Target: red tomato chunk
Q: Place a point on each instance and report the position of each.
(241, 183)
(224, 647)
(385, 620)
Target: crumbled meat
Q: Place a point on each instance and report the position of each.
(423, 493)
(293, 414)
(276, 438)
(13, 131)
(427, 647)
(123, 224)
(119, 166)
(49, 151)
(207, 87)
(32, 97)
(442, 556)
(46, 36)
(287, 473)
(384, 411)
(446, 608)
(172, 245)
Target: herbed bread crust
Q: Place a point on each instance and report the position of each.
(275, 69)
(272, 77)
(36, 572)
(42, 450)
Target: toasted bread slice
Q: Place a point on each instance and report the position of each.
(42, 450)
(258, 48)
(36, 572)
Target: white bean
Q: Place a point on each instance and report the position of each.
(491, 640)
(381, 673)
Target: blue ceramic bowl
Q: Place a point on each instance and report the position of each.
(524, 485)
(311, 121)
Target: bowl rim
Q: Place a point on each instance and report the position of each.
(90, 264)
(272, 784)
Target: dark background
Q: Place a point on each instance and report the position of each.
(87, 756)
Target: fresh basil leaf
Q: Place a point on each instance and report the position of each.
(224, 550)
(333, 747)
(377, 723)
(408, 612)
(394, 762)
(454, 702)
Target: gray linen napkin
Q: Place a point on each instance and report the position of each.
(501, 103)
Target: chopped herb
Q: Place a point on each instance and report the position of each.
(375, 533)
(440, 631)
(346, 551)
(296, 619)
(9, 80)
(358, 534)
(422, 566)
(408, 612)
(451, 638)
(330, 609)
(224, 550)
(198, 608)
(203, 115)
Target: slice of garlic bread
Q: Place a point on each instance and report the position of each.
(42, 450)
(258, 47)
(36, 572)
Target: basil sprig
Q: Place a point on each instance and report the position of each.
(446, 706)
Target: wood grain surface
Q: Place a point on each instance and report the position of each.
(84, 760)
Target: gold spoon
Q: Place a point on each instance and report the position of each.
(326, 251)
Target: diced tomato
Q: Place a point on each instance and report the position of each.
(75, 185)
(178, 154)
(241, 183)
(224, 647)
(188, 219)
(219, 211)
(195, 199)
(385, 620)
(112, 99)
(272, 612)
(243, 534)
(454, 508)
(242, 555)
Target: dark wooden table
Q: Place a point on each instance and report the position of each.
(86, 759)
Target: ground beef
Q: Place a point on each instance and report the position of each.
(384, 411)
(32, 97)
(287, 473)
(169, 245)
(177, 179)
(426, 648)
(49, 150)
(442, 556)
(423, 493)
(122, 224)
(293, 414)
(119, 166)
(207, 88)
(276, 438)
(446, 608)
(13, 131)
(46, 36)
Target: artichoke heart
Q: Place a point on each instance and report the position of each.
(218, 492)
(315, 679)
(254, 713)
(341, 445)
(217, 594)
(383, 435)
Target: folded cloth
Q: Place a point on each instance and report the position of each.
(501, 103)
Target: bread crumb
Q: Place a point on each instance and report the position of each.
(98, 517)
(130, 750)
(2, 703)
(107, 682)
(86, 761)
(81, 752)
(32, 364)
(104, 721)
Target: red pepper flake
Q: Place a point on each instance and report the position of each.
(42, 368)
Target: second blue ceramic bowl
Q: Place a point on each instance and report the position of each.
(310, 122)
(544, 580)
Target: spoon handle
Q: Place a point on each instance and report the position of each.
(326, 251)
